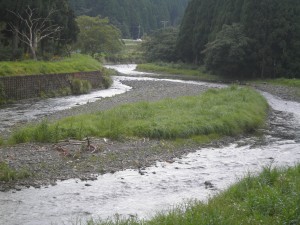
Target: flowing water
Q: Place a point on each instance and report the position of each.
(197, 175)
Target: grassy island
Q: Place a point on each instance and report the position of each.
(216, 113)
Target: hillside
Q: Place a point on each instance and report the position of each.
(134, 17)
(250, 37)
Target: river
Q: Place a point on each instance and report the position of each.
(163, 185)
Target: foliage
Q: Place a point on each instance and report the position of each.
(64, 17)
(79, 87)
(160, 45)
(97, 35)
(228, 111)
(134, 18)
(9, 174)
(131, 53)
(107, 80)
(228, 54)
(272, 26)
(75, 63)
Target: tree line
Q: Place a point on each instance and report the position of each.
(134, 18)
(250, 38)
(43, 29)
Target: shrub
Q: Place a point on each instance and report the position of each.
(107, 81)
(80, 86)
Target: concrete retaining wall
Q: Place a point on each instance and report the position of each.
(31, 86)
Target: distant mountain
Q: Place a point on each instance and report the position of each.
(134, 17)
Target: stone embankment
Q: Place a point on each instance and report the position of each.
(32, 86)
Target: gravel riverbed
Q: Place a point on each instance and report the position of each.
(48, 163)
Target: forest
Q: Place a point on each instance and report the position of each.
(248, 38)
(41, 29)
(134, 18)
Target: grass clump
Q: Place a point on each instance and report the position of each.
(272, 197)
(229, 111)
(9, 174)
(75, 63)
(79, 86)
(178, 69)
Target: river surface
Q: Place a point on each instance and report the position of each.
(162, 186)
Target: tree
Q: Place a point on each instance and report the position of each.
(35, 28)
(97, 35)
(272, 25)
(129, 15)
(229, 54)
(160, 46)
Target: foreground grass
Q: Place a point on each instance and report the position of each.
(76, 63)
(273, 197)
(178, 69)
(229, 111)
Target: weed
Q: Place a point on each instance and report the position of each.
(9, 174)
(107, 81)
(80, 86)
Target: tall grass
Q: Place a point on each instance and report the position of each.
(75, 63)
(273, 197)
(228, 111)
(178, 69)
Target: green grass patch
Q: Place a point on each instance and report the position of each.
(75, 63)
(9, 174)
(178, 69)
(273, 197)
(229, 111)
(285, 82)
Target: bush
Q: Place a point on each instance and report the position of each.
(107, 81)
(80, 86)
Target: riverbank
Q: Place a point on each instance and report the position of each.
(50, 162)
(79, 159)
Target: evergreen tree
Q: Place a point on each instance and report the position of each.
(273, 26)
